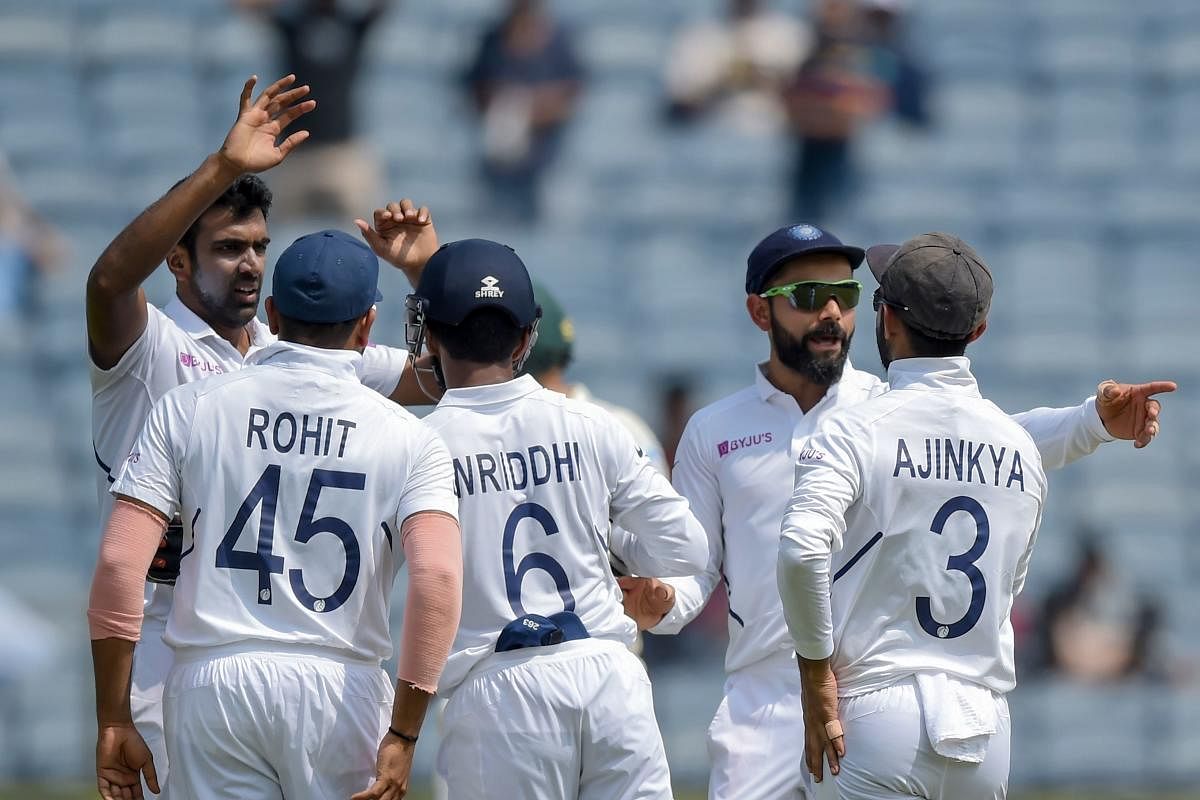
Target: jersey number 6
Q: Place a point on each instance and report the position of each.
(964, 563)
(513, 575)
(266, 563)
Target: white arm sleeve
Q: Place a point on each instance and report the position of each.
(664, 537)
(151, 471)
(1063, 435)
(695, 479)
(828, 482)
(382, 367)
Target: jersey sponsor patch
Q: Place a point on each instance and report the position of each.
(742, 442)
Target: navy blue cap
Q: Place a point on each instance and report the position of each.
(326, 277)
(470, 274)
(788, 243)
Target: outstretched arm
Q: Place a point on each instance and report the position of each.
(116, 304)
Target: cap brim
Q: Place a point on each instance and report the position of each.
(378, 295)
(878, 258)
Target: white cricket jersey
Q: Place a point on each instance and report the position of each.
(539, 477)
(292, 479)
(929, 498)
(735, 464)
(177, 347)
(642, 434)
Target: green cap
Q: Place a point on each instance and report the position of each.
(556, 335)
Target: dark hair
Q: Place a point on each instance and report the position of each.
(247, 194)
(927, 346)
(327, 335)
(486, 336)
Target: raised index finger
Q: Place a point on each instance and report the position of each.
(1155, 387)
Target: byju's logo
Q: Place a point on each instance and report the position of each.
(490, 287)
(189, 360)
(731, 445)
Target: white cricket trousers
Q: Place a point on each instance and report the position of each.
(269, 723)
(573, 720)
(889, 755)
(756, 739)
(152, 659)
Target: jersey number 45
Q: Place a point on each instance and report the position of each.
(266, 563)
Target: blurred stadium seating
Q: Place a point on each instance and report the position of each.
(1064, 145)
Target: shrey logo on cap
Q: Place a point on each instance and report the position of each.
(490, 287)
(805, 232)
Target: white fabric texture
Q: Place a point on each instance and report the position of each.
(889, 755)
(960, 717)
(756, 739)
(919, 509)
(574, 720)
(267, 724)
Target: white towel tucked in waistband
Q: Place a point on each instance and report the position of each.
(960, 717)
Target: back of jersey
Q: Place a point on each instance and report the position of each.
(539, 476)
(938, 544)
(294, 485)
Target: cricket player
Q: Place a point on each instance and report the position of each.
(907, 537)
(544, 698)
(211, 229)
(302, 492)
(735, 465)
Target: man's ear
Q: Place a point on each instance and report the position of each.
(759, 309)
(362, 330)
(975, 334)
(179, 261)
(272, 315)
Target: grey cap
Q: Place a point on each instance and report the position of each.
(940, 285)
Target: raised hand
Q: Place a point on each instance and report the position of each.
(1129, 411)
(646, 600)
(121, 758)
(252, 144)
(402, 235)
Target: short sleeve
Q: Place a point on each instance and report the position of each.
(430, 484)
(151, 471)
(136, 360)
(382, 367)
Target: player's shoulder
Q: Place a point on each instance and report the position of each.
(856, 386)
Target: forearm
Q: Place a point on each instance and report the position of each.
(408, 711)
(433, 549)
(1063, 435)
(803, 577)
(112, 661)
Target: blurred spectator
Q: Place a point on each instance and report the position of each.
(524, 81)
(736, 67)
(28, 247)
(835, 94)
(893, 61)
(676, 404)
(335, 174)
(1095, 628)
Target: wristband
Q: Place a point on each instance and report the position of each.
(403, 736)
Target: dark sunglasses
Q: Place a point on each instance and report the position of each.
(814, 295)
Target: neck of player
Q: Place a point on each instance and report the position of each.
(787, 380)
(465, 374)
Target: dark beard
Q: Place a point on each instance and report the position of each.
(224, 311)
(795, 355)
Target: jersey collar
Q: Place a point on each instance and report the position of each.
(344, 364)
(492, 393)
(191, 324)
(952, 373)
(768, 390)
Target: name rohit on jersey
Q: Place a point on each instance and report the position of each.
(961, 460)
(288, 431)
(514, 470)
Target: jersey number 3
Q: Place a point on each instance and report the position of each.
(266, 563)
(964, 563)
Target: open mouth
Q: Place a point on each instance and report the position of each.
(825, 342)
(246, 293)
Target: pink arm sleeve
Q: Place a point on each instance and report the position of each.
(130, 541)
(433, 548)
